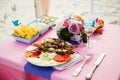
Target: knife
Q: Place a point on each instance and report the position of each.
(96, 64)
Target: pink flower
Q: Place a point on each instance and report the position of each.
(80, 26)
(74, 28)
(96, 20)
(66, 23)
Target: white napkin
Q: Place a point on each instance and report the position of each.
(75, 58)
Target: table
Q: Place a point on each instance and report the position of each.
(13, 65)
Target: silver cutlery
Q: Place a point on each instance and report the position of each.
(96, 64)
(78, 70)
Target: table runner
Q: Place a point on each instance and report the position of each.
(44, 72)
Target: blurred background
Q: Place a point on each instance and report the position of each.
(24, 10)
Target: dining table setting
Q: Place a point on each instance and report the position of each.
(67, 48)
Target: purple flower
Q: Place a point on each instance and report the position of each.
(74, 28)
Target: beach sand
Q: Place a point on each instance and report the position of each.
(24, 11)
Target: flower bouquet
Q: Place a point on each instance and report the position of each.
(71, 30)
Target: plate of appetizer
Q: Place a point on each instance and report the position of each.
(49, 52)
(25, 33)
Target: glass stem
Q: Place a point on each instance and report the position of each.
(88, 43)
(88, 40)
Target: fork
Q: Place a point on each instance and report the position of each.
(78, 70)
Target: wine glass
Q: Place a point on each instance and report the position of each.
(89, 31)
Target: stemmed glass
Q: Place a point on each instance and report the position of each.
(89, 31)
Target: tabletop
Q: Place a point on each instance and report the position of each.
(12, 59)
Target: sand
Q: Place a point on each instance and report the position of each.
(24, 11)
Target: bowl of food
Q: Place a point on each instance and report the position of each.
(25, 34)
(47, 19)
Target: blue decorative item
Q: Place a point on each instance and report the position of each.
(89, 23)
(16, 22)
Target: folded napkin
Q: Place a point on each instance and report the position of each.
(75, 59)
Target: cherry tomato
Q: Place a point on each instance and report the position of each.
(36, 54)
(32, 54)
(60, 58)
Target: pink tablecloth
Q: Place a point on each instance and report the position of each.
(12, 56)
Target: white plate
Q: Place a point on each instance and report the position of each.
(44, 62)
(44, 59)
